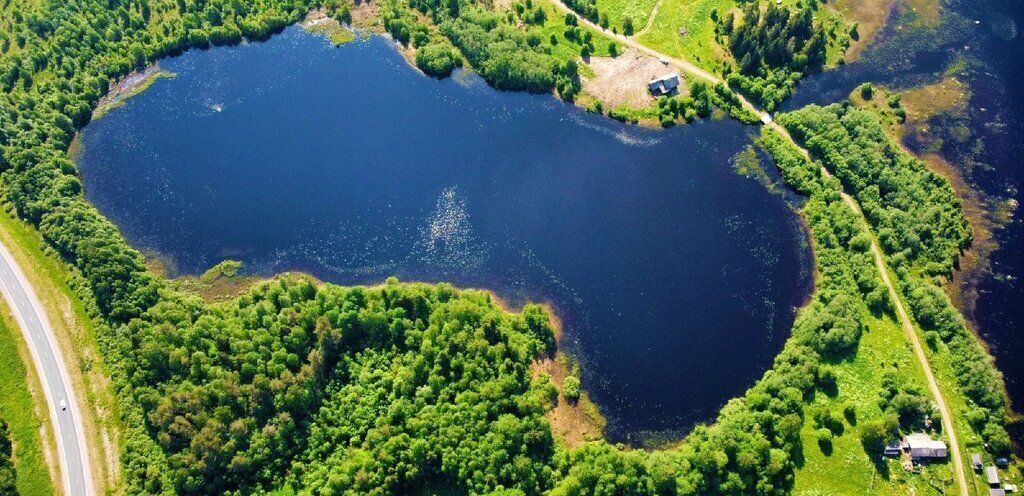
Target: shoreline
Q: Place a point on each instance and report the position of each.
(127, 87)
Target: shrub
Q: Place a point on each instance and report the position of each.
(437, 59)
(824, 437)
(571, 388)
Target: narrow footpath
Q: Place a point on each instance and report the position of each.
(692, 69)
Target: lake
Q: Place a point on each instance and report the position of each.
(676, 278)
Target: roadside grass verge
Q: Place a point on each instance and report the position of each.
(23, 407)
(50, 278)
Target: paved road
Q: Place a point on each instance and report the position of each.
(901, 313)
(74, 458)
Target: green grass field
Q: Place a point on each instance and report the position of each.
(698, 46)
(24, 412)
(849, 469)
(618, 10)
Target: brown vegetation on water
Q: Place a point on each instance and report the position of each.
(921, 105)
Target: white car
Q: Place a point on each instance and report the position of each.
(63, 405)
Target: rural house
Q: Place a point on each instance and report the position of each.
(664, 85)
(922, 446)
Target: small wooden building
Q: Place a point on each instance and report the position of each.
(976, 462)
(991, 476)
(664, 85)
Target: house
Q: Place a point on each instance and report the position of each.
(991, 476)
(995, 491)
(1010, 488)
(893, 449)
(922, 447)
(976, 462)
(664, 85)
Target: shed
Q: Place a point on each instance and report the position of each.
(664, 85)
(922, 446)
(894, 448)
(976, 462)
(1010, 488)
(991, 476)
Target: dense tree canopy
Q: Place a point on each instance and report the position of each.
(295, 385)
(773, 49)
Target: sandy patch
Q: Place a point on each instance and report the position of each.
(574, 422)
(623, 80)
(366, 14)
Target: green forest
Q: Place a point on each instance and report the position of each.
(773, 49)
(301, 387)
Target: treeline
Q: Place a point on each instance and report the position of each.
(8, 478)
(500, 52)
(772, 50)
(922, 230)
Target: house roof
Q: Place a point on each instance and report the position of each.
(991, 475)
(921, 440)
(665, 83)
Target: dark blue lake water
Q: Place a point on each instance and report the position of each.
(675, 277)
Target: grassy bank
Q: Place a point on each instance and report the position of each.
(23, 407)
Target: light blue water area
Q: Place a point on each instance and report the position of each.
(675, 277)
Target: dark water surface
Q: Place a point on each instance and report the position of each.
(676, 278)
(985, 36)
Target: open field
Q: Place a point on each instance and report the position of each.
(623, 80)
(848, 469)
(698, 45)
(23, 407)
(638, 11)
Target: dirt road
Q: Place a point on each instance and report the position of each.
(901, 313)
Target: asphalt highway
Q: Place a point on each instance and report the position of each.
(67, 423)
